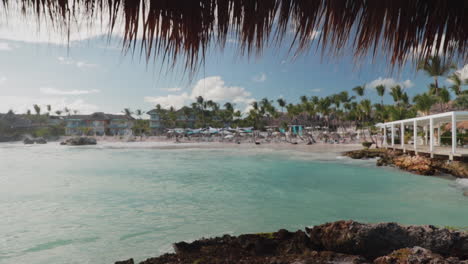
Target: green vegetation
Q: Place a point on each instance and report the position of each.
(336, 110)
(367, 144)
(446, 138)
(49, 132)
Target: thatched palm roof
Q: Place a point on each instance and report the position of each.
(175, 28)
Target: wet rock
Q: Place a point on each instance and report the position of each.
(28, 141)
(128, 261)
(416, 255)
(337, 242)
(415, 164)
(374, 240)
(465, 193)
(40, 140)
(456, 168)
(366, 153)
(79, 141)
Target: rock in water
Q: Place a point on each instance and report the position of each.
(338, 242)
(28, 141)
(79, 141)
(40, 140)
(128, 261)
(374, 240)
(416, 164)
(416, 255)
(456, 168)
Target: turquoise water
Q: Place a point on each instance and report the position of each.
(98, 205)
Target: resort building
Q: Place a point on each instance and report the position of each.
(438, 134)
(14, 121)
(161, 119)
(99, 124)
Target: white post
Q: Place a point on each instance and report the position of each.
(438, 135)
(393, 135)
(425, 135)
(431, 134)
(415, 135)
(454, 133)
(385, 135)
(402, 135)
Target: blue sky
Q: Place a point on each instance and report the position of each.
(92, 74)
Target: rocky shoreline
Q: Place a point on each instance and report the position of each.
(336, 242)
(415, 164)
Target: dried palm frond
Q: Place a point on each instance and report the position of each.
(398, 29)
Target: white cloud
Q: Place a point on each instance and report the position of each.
(175, 89)
(54, 91)
(177, 101)
(5, 46)
(260, 77)
(214, 88)
(20, 104)
(2, 79)
(210, 88)
(462, 73)
(79, 64)
(388, 83)
(316, 90)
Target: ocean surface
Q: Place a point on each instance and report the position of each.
(100, 204)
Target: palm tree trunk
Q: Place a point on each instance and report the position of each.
(436, 85)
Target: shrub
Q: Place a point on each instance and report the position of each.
(367, 144)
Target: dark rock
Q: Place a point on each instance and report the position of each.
(338, 242)
(28, 141)
(40, 140)
(465, 193)
(128, 261)
(416, 255)
(366, 153)
(79, 141)
(456, 168)
(374, 240)
(415, 164)
(385, 159)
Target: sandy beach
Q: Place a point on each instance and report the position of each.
(170, 143)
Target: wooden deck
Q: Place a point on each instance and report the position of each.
(438, 151)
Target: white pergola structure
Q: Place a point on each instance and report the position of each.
(428, 124)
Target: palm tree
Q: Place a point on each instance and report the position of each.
(444, 96)
(424, 102)
(28, 112)
(49, 109)
(66, 110)
(381, 92)
(281, 103)
(457, 83)
(359, 90)
(436, 67)
(58, 112)
(366, 109)
(37, 109)
(396, 92)
(462, 101)
(139, 113)
(127, 112)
